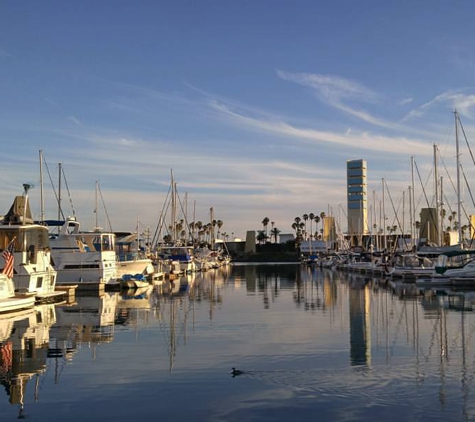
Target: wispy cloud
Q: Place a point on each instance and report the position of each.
(405, 101)
(454, 100)
(338, 92)
(354, 139)
(334, 88)
(75, 120)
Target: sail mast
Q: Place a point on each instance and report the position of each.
(413, 211)
(457, 153)
(42, 214)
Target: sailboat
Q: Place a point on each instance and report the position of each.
(176, 257)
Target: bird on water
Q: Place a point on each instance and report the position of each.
(235, 372)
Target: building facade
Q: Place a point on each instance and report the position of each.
(357, 209)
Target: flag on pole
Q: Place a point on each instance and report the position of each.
(9, 259)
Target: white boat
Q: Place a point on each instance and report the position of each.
(83, 257)
(411, 265)
(183, 255)
(130, 259)
(11, 301)
(32, 269)
(456, 264)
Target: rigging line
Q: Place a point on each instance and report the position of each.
(423, 188)
(430, 214)
(69, 193)
(466, 140)
(395, 212)
(155, 239)
(183, 211)
(468, 188)
(448, 174)
(472, 226)
(105, 209)
(52, 186)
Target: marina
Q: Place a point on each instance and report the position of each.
(261, 342)
(250, 211)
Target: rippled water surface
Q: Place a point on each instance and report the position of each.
(312, 344)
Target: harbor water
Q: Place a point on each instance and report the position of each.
(307, 343)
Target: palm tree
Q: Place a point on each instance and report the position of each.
(464, 228)
(317, 220)
(274, 233)
(311, 216)
(295, 227)
(305, 218)
(261, 236)
(265, 222)
(219, 223)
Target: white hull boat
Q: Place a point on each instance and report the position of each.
(32, 269)
(84, 257)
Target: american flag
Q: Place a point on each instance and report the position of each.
(9, 259)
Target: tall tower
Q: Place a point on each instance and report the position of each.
(357, 197)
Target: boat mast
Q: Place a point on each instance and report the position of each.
(437, 201)
(413, 212)
(95, 205)
(457, 153)
(384, 220)
(211, 216)
(59, 191)
(173, 213)
(42, 203)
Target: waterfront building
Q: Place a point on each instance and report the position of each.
(357, 210)
(429, 227)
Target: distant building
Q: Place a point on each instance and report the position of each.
(429, 227)
(357, 197)
(286, 237)
(250, 242)
(329, 232)
(314, 246)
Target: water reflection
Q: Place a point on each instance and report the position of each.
(24, 343)
(317, 335)
(90, 319)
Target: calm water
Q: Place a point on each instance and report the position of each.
(314, 345)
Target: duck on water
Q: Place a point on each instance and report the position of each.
(235, 372)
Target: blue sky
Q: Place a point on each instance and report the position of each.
(254, 105)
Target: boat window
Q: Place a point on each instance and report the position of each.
(37, 237)
(6, 237)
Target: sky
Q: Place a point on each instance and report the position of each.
(253, 106)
